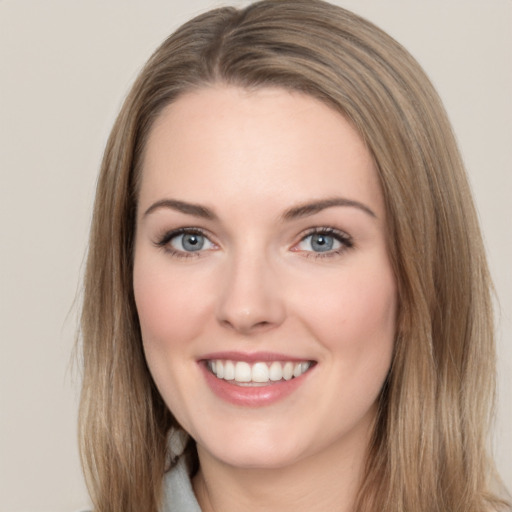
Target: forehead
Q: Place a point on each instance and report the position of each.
(260, 143)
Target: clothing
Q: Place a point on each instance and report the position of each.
(178, 493)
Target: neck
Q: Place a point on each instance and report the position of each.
(328, 480)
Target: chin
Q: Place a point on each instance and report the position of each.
(258, 451)
(257, 459)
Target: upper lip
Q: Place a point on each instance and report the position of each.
(252, 357)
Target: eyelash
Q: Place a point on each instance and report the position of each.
(164, 242)
(343, 238)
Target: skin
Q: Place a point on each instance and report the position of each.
(259, 284)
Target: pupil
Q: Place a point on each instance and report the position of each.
(322, 243)
(192, 242)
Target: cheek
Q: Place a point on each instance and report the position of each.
(355, 322)
(171, 308)
(155, 306)
(170, 315)
(355, 313)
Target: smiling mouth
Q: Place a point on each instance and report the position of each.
(259, 373)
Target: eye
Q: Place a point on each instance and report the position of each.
(186, 240)
(189, 242)
(319, 242)
(325, 241)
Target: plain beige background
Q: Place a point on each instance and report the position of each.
(65, 66)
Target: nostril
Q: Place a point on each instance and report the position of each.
(261, 324)
(246, 327)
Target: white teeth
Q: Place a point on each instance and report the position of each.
(276, 371)
(220, 370)
(242, 372)
(259, 372)
(300, 368)
(229, 370)
(288, 371)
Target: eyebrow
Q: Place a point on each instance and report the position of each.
(302, 210)
(311, 208)
(183, 207)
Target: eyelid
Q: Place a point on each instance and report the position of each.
(163, 241)
(341, 236)
(327, 230)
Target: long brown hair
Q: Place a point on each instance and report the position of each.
(429, 448)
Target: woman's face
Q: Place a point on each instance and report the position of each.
(266, 298)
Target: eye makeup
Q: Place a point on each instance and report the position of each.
(324, 242)
(317, 242)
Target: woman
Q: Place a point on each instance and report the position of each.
(285, 271)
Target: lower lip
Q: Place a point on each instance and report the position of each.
(252, 396)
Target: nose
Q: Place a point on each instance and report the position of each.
(251, 298)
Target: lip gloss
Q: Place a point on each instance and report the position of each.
(251, 396)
